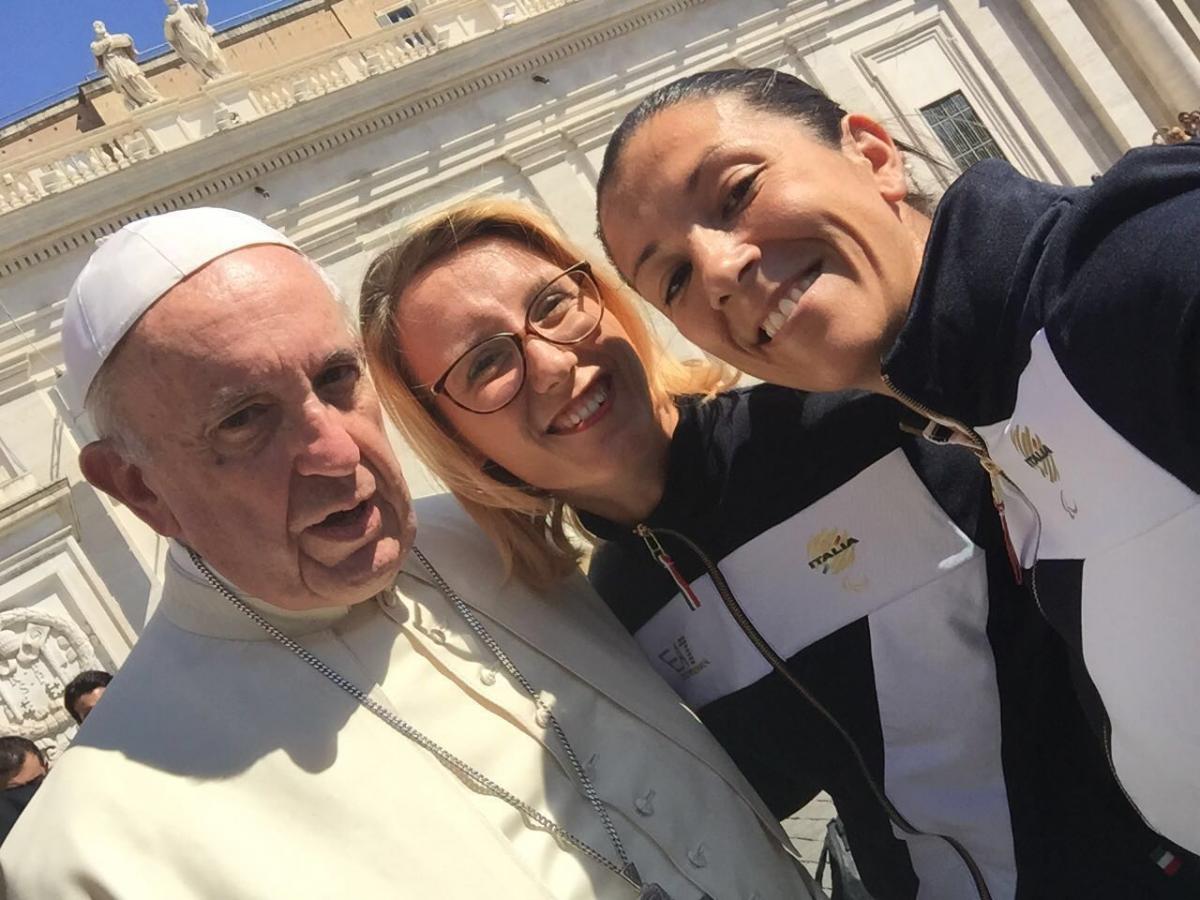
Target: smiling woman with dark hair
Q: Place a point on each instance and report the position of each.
(829, 593)
(1054, 333)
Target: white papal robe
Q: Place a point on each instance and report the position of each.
(218, 765)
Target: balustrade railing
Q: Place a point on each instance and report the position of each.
(91, 157)
(32, 178)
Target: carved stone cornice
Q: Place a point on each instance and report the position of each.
(317, 127)
(51, 507)
(544, 151)
(593, 131)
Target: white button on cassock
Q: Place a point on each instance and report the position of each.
(487, 675)
(545, 703)
(645, 803)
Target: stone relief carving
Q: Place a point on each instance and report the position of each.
(187, 30)
(117, 58)
(39, 653)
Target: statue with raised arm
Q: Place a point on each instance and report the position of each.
(117, 58)
(187, 30)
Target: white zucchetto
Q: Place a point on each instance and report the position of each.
(131, 270)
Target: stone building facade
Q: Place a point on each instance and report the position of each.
(343, 119)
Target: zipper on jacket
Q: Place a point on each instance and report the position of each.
(779, 664)
(1112, 767)
(966, 436)
(663, 559)
(970, 438)
(944, 430)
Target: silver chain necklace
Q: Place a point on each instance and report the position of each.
(625, 869)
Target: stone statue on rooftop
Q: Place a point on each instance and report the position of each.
(117, 58)
(187, 30)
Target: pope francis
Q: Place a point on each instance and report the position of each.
(332, 700)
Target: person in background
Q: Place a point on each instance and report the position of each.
(22, 769)
(84, 692)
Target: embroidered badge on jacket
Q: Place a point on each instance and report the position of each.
(1037, 454)
(681, 659)
(831, 552)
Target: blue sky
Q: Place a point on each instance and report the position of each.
(45, 45)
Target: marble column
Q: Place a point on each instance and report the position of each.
(1160, 49)
(1091, 71)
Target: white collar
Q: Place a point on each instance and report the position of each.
(190, 602)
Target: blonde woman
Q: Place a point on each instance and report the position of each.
(828, 593)
(530, 526)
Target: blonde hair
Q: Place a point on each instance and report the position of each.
(529, 527)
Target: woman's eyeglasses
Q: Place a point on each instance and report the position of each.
(489, 376)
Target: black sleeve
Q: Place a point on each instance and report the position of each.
(1123, 314)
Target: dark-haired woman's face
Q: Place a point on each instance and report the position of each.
(784, 256)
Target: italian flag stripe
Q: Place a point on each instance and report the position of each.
(1166, 860)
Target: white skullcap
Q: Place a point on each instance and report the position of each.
(131, 270)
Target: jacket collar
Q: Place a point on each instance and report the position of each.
(191, 603)
(972, 304)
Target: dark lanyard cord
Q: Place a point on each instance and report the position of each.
(780, 665)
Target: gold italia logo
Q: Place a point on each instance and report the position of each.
(831, 552)
(1036, 454)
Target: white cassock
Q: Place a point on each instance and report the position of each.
(219, 765)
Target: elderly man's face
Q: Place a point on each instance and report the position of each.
(266, 450)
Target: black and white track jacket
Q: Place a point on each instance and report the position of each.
(1063, 325)
(873, 561)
